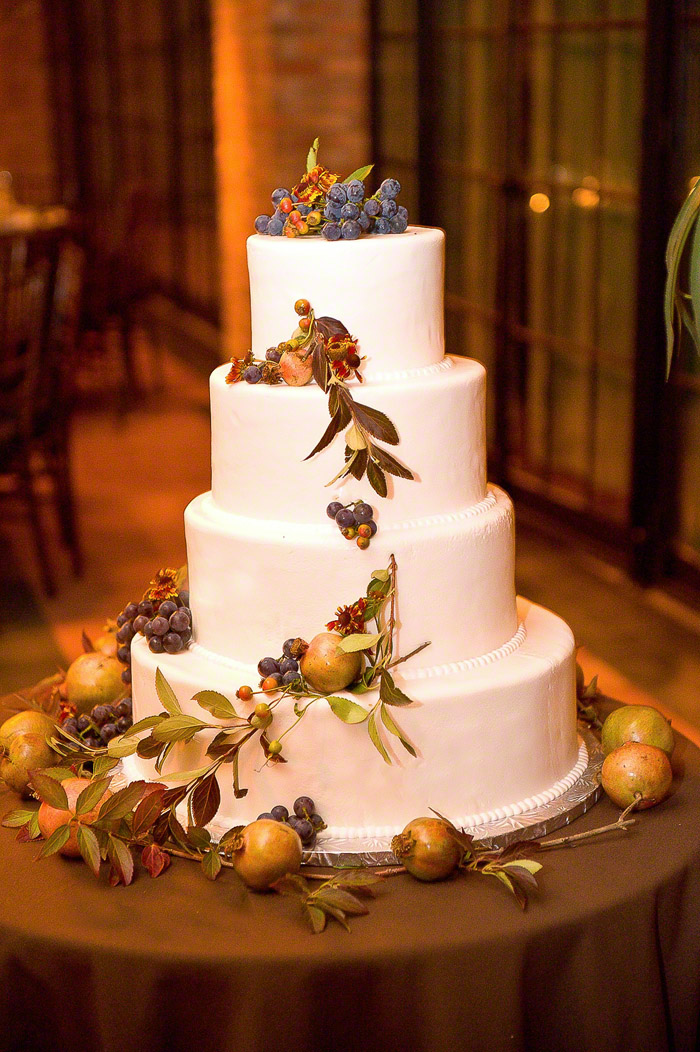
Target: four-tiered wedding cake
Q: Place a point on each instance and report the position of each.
(493, 719)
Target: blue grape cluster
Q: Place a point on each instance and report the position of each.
(167, 626)
(355, 521)
(304, 819)
(285, 669)
(102, 724)
(346, 213)
(349, 214)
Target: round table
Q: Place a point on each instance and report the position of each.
(607, 955)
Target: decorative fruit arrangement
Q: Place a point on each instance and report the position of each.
(93, 678)
(264, 852)
(637, 775)
(103, 723)
(323, 204)
(163, 616)
(304, 819)
(326, 667)
(355, 521)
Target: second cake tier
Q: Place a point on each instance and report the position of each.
(255, 583)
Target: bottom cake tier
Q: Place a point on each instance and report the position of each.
(495, 736)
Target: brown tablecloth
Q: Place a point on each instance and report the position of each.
(607, 956)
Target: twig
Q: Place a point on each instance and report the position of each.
(564, 841)
(412, 653)
(380, 871)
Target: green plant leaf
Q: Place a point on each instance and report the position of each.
(380, 575)
(148, 748)
(163, 755)
(237, 791)
(341, 900)
(122, 860)
(354, 438)
(396, 731)
(215, 703)
(359, 641)
(122, 802)
(185, 776)
(376, 740)
(316, 918)
(55, 842)
(89, 847)
(199, 838)
(674, 253)
(377, 478)
(145, 724)
(359, 173)
(103, 765)
(19, 817)
(346, 710)
(59, 773)
(691, 318)
(312, 156)
(91, 795)
(211, 865)
(389, 692)
(166, 695)
(178, 728)
(524, 863)
(124, 745)
(49, 791)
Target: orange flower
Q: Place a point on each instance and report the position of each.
(349, 619)
(163, 586)
(312, 187)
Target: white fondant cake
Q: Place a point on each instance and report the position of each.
(493, 720)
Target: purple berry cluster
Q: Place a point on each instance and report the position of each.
(355, 521)
(102, 724)
(283, 670)
(303, 819)
(167, 626)
(348, 214)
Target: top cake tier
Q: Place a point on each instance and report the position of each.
(388, 292)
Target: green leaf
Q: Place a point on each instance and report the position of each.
(19, 817)
(55, 842)
(124, 745)
(312, 156)
(211, 865)
(199, 838)
(59, 773)
(376, 423)
(389, 692)
(377, 478)
(103, 765)
(396, 731)
(674, 253)
(185, 776)
(357, 878)
(354, 438)
(148, 747)
(346, 710)
(341, 900)
(178, 728)
(376, 740)
(359, 641)
(122, 860)
(215, 703)
(32, 828)
(316, 918)
(237, 791)
(162, 756)
(166, 695)
(359, 173)
(381, 575)
(145, 724)
(49, 791)
(122, 802)
(524, 863)
(91, 795)
(89, 847)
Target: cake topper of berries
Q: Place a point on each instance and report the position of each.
(323, 204)
(323, 349)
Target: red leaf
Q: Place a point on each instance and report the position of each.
(206, 799)
(122, 861)
(155, 860)
(148, 811)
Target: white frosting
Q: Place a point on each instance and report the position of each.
(254, 583)
(261, 435)
(491, 739)
(387, 291)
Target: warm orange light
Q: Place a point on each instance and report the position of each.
(539, 202)
(585, 197)
(692, 181)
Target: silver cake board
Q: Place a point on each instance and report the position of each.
(529, 825)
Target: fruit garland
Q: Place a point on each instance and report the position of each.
(323, 348)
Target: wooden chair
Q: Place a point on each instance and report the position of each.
(40, 277)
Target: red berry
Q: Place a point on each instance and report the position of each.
(294, 216)
(244, 693)
(290, 230)
(302, 306)
(262, 709)
(269, 685)
(304, 324)
(362, 542)
(286, 204)
(349, 532)
(302, 227)
(364, 530)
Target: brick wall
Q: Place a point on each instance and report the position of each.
(284, 72)
(26, 133)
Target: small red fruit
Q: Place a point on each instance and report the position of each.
(303, 227)
(294, 216)
(349, 532)
(290, 230)
(262, 709)
(362, 542)
(244, 693)
(302, 306)
(364, 530)
(304, 324)
(270, 685)
(286, 204)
